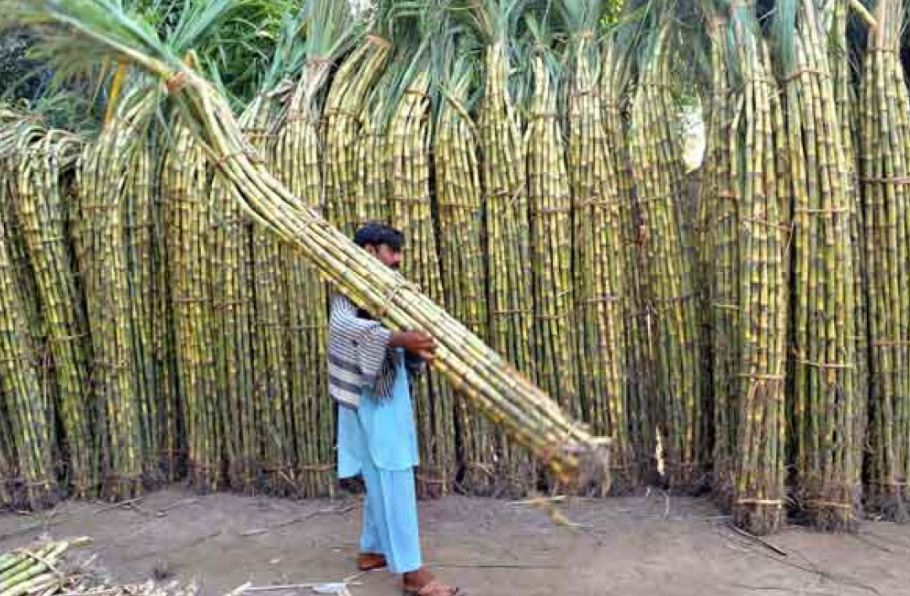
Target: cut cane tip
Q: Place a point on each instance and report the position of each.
(592, 474)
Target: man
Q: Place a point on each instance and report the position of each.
(369, 376)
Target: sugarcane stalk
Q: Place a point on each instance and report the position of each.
(45, 161)
(720, 204)
(507, 240)
(639, 357)
(270, 367)
(883, 166)
(759, 461)
(184, 189)
(459, 207)
(298, 163)
(344, 105)
(410, 212)
(658, 179)
(825, 360)
(599, 277)
(24, 397)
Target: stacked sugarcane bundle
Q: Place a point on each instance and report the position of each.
(758, 487)
(343, 109)
(506, 231)
(550, 203)
(136, 205)
(720, 205)
(597, 242)
(185, 187)
(638, 357)
(271, 391)
(45, 161)
(280, 287)
(109, 173)
(28, 416)
(660, 186)
(409, 196)
(825, 391)
(744, 211)
(373, 156)
(459, 207)
(232, 291)
(163, 340)
(884, 173)
(297, 161)
(845, 100)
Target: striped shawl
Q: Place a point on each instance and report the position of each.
(360, 357)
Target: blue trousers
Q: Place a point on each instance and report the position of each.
(390, 517)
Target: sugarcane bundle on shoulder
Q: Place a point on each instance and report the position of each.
(474, 369)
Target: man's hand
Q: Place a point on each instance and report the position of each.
(416, 342)
(427, 355)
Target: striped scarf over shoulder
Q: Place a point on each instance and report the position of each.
(359, 355)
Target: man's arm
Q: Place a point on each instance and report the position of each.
(368, 338)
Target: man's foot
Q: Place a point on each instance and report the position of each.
(370, 561)
(422, 583)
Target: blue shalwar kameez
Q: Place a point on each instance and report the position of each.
(378, 440)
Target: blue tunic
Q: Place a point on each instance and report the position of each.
(381, 430)
(379, 441)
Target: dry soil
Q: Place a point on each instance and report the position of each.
(636, 546)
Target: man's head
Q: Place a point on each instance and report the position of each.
(382, 241)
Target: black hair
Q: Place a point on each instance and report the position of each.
(378, 233)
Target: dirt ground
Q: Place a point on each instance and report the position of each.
(637, 546)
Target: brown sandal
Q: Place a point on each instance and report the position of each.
(370, 561)
(434, 588)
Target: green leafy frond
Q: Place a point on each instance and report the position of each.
(492, 20)
(783, 33)
(582, 17)
(331, 28)
(199, 20)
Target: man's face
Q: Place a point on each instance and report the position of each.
(388, 256)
